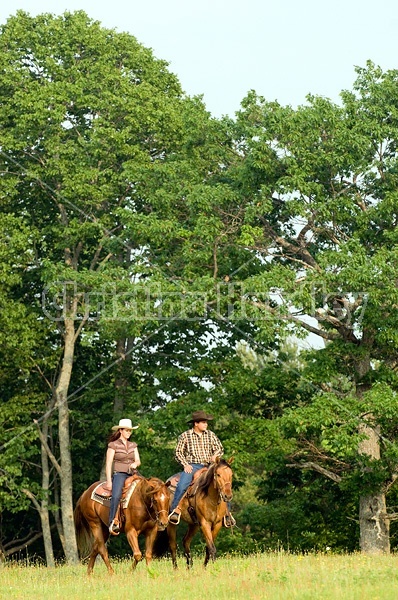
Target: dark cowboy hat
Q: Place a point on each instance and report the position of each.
(199, 415)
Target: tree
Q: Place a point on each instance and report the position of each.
(20, 339)
(321, 208)
(91, 124)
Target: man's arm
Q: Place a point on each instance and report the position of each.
(217, 447)
(180, 453)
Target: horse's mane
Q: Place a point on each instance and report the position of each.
(153, 484)
(207, 478)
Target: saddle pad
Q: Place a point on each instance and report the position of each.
(104, 496)
(100, 495)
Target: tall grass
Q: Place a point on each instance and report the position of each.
(276, 576)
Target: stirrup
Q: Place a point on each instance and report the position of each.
(114, 528)
(174, 518)
(229, 521)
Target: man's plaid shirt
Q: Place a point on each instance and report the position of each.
(195, 448)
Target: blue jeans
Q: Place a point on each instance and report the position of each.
(183, 483)
(118, 480)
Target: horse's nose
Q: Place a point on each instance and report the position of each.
(227, 493)
(162, 519)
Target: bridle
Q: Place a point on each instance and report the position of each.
(225, 497)
(154, 508)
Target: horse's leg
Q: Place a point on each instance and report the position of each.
(99, 548)
(150, 537)
(192, 529)
(132, 538)
(214, 532)
(209, 538)
(172, 535)
(105, 532)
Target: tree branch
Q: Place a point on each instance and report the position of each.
(96, 256)
(32, 497)
(47, 448)
(392, 516)
(41, 373)
(23, 545)
(290, 248)
(326, 335)
(315, 467)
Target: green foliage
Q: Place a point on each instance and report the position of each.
(94, 130)
(187, 251)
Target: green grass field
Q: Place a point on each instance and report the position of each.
(277, 576)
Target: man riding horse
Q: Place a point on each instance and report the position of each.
(196, 448)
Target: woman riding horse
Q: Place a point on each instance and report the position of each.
(146, 513)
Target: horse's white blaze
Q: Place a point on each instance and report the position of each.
(162, 496)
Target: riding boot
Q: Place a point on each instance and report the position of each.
(229, 521)
(114, 528)
(175, 516)
(116, 525)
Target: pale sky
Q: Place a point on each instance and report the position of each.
(223, 48)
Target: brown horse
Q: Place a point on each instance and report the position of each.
(146, 513)
(205, 510)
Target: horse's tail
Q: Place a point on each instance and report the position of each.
(161, 545)
(84, 537)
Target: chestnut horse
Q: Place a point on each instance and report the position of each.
(205, 510)
(146, 513)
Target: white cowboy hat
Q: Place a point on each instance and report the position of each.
(124, 424)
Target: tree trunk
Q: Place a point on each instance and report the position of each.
(123, 353)
(121, 382)
(57, 515)
(47, 539)
(61, 393)
(44, 514)
(374, 525)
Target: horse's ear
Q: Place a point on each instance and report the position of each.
(168, 483)
(217, 460)
(231, 460)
